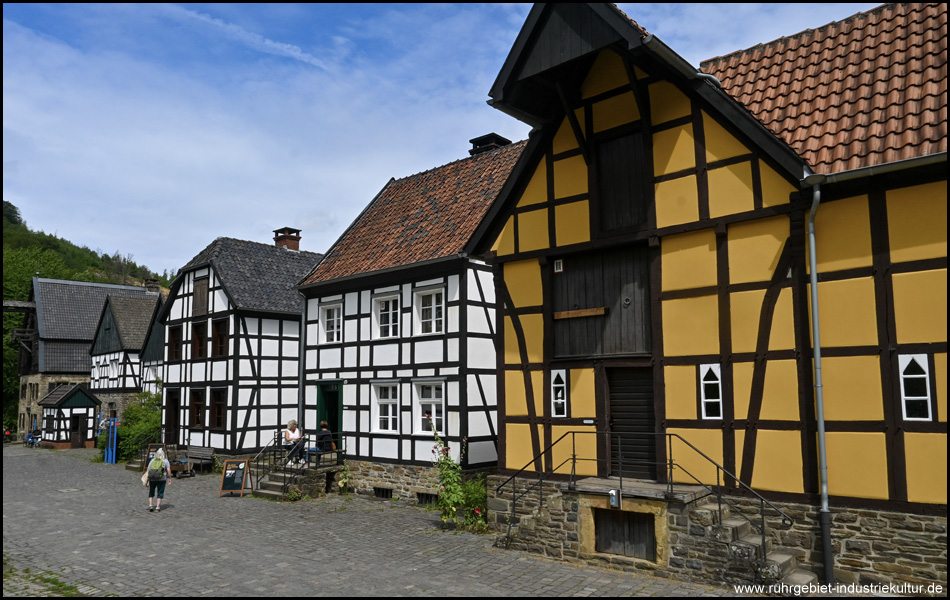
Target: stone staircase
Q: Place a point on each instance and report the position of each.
(746, 547)
(313, 482)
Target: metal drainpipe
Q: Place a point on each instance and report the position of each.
(824, 514)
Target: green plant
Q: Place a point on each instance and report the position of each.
(141, 422)
(450, 497)
(343, 478)
(218, 465)
(293, 494)
(475, 502)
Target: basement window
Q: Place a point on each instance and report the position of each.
(625, 533)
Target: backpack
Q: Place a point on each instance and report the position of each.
(156, 470)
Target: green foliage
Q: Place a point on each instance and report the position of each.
(141, 422)
(343, 478)
(459, 500)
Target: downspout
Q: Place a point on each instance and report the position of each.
(824, 513)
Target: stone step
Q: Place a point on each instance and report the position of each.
(800, 577)
(265, 493)
(777, 566)
(730, 530)
(708, 514)
(749, 547)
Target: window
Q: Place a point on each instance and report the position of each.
(199, 335)
(114, 368)
(219, 408)
(387, 405)
(199, 304)
(559, 393)
(710, 391)
(431, 406)
(174, 343)
(430, 312)
(196, 411)
(386, 314)
(332, 319)
(915, 387)
(219, 338)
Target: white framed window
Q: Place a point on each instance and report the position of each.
(915, 386)
(559, 393)
(114, 368)
(430, 401)
(387, 407)
(386, 317)
(430, 312)
(331, 321)
(710, 385)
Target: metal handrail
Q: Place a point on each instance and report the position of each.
(671, 464)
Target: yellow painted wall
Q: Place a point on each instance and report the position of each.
(851, 386)
(518, 450)
(681, 396)
(533, 327)
(673, 150)
(846, 312)
(570, 177)
(730, 190)
(926, 461)
(780, 395)
(533, 230)
(709, 442)
(584, 445)
(667, 102)
(746, 308)
(755, 247)
(691, 326)
(607, 73)
(778, 461)
(741, 388)
(720, 144)
(775, 189)
(740, 440)
(505, 244)
(843, 234)
(572, 223)
(920, 306)
(536, 190)
(940, 377)
(614, 111)
(917, 222)
(564, 139)
(688, 260)
(583, 396)
(523, 280)
(677, 201)
(857, 464)
(516, 396)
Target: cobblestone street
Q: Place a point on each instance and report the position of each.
(84, 524)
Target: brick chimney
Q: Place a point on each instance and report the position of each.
(487, 142)
(288, 237)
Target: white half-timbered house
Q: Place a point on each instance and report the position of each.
(232, 343)
(69, 417)
(117, 371)
(400, 324)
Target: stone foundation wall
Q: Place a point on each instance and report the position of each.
(405, 481)
(870, 546)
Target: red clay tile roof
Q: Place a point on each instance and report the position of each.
(868, 90)
(429, 215)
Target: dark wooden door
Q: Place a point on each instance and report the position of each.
(632, 423)
(77, 430)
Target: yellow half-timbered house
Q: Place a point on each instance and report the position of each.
(654, 262)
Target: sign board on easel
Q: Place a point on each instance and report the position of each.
(235, 478)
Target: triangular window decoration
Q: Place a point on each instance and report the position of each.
(710, 376)
(913, 368)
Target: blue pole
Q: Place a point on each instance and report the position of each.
(110, 446)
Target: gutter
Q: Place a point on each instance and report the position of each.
(655, 45)
(815, 181)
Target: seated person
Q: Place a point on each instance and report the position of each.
(293, 442)
(324, 441)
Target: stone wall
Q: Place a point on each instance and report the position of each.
(405, 481)
(870, 546)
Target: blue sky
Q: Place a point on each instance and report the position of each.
(152, 129)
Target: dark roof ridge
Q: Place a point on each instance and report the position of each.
(804, 32)
(458, 160)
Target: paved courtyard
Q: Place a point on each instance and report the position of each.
(84, 524)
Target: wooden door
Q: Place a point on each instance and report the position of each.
(632, 418)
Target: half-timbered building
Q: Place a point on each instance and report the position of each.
(117, 370)
(56, 339)
(400, 323)
(70, 414)
(734, 276)
(232, 343)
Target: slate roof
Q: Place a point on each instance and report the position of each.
(422, 217)
(133, 317)
(69, 310)
(868, 90)
(72, 394)
(256, 276)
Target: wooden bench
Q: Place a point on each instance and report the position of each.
(199, 456)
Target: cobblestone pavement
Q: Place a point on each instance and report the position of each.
(86, 525)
